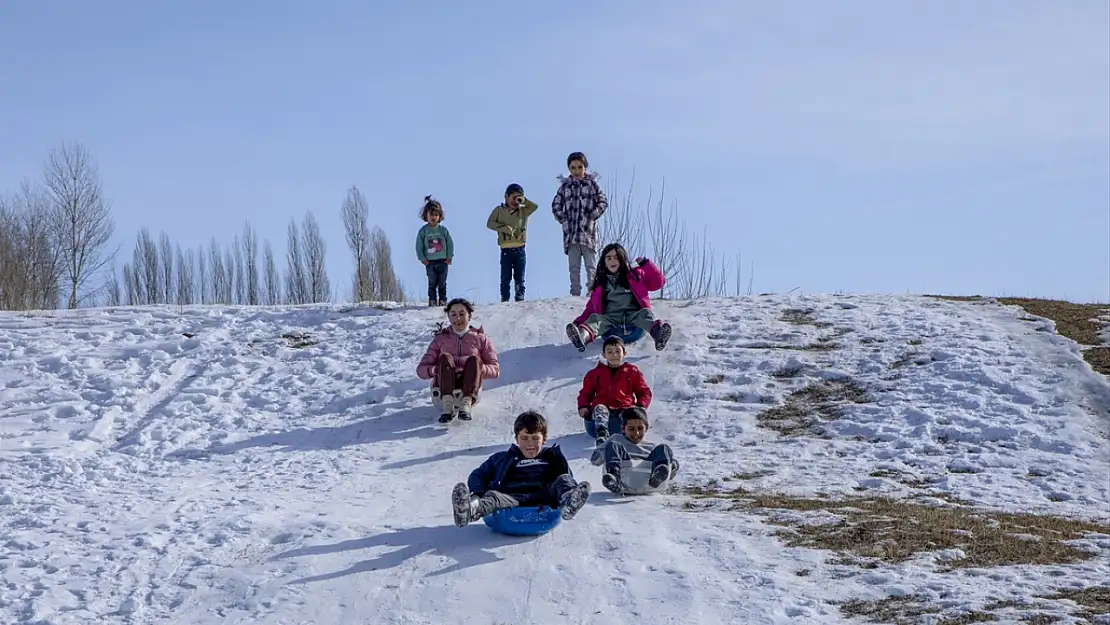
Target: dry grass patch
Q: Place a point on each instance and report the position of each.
(1095, 600)
(1078, 322)
(298, 340)
(806, 409)
(880, 529)
(800, 317)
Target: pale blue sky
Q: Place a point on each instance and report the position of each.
(926, 146)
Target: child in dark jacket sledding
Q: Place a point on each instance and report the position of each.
(527, 474)
(609, 390)
(621, 449)
(620, 298)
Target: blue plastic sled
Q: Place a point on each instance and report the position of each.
(524, 520)
(628, 334)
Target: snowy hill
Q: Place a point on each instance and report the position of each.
(195, 467)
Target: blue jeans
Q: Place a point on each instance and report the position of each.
(513, 260)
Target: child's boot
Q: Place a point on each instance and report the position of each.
(577, 336)
(661, 473)
(463, 505)
(611, 480)
(447, 412)
(465, 404)
(661, 332)
(572, 501)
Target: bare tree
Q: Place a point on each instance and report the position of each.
(668, 241)
(232, 275)
(235, 260)
(85, 226)
(356, 221)
(165, 247)
(315, 252)
(221, 281)
(113, 295)
(204, 285)
(250, 267)
(390, 288)
(30, 258)
(296, 279)
(273, 280)
(147, 267)
(185, 285)
(130, 285)
(622, 222)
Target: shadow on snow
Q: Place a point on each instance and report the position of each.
(468, 547)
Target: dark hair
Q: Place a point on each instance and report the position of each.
(600, 276)
(459, 300)
(530, 421)
(430, 203)
(514, 188)
(635, 412)
(577, 156)
(612, 340)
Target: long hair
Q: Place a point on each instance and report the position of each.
(600, 276)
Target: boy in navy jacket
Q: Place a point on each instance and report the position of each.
(527, 474)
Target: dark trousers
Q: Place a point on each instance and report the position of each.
(492, 501)
(437, 280)
(449, 378)
(513, 260)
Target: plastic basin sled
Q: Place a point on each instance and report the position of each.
(635, 476)
(628, 334)
(524, 520)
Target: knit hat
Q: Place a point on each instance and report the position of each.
(514, 188)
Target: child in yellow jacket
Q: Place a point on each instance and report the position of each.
(510, 221)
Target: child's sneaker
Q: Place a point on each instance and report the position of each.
(573, 500)
(447, 412)
(575, 334)
(611, 482)
(465, 405)
(661, 332)
(462, 505)
(659, 475)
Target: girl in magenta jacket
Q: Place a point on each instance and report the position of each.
(458, 359)
(620, 298)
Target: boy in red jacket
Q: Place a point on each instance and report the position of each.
(608, 390)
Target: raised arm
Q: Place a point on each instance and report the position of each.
(650, 275)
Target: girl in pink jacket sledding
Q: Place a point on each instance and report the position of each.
(620, 298)
(459, 358)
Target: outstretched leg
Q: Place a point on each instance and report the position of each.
(467, 508)
(663, 465)
(615, 457)
(569, 494)
(471, 378)
(445, 381)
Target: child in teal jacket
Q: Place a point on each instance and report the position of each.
(435, 249)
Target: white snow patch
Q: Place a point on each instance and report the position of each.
(147, 476)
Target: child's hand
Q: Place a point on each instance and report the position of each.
(583, 412)
(448, 261)
(424, 261)
(640, 260)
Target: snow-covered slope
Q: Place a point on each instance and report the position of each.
(192, 467)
